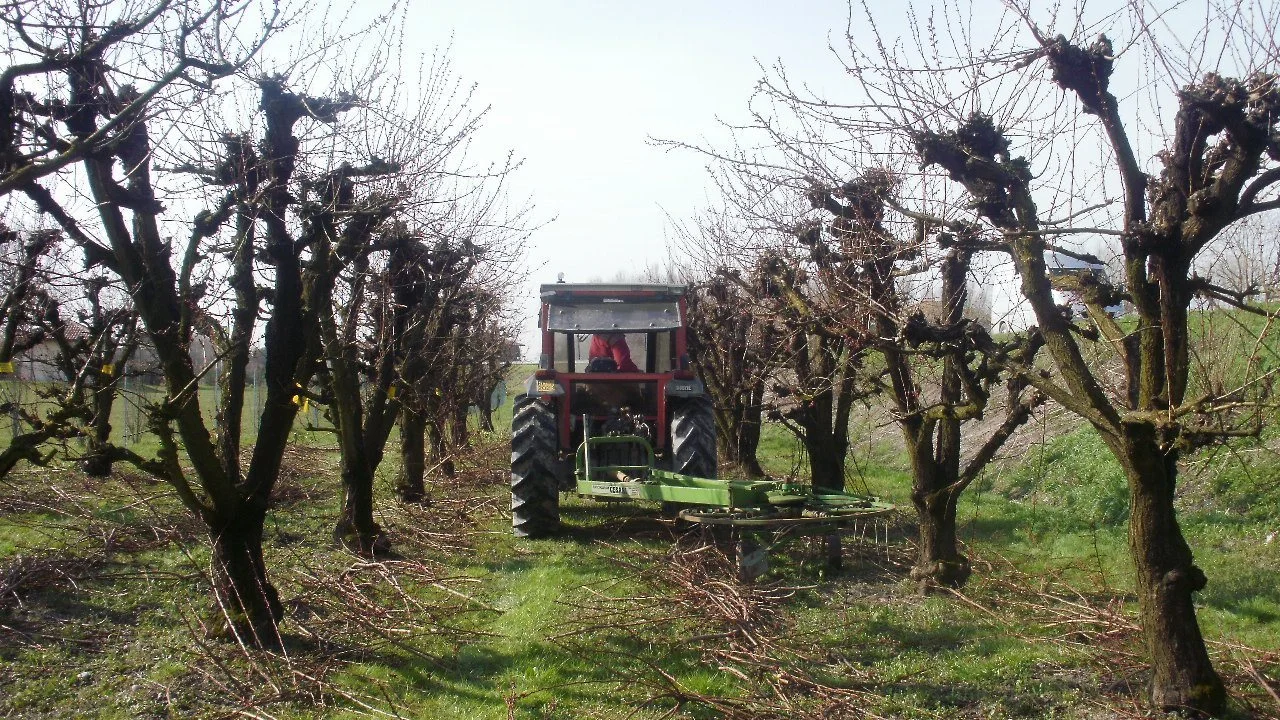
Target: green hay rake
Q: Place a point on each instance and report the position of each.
(755, 515)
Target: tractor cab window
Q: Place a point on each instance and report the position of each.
(637, 343)
(589, 317)
(652, 352)
(649, 328)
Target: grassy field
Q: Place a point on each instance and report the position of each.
(104, 595)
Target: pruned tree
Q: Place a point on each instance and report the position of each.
(95, 348)
(459, 353)
(732, 349)
(22, 306)
(87, 100)
(1245, 263)
(760, 340)
(1000, 115)
(815, 388)
(363, 337)
(731, 345)
(939, 371)
(26, 254)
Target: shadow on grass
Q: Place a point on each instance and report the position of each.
(580, 672)
(1251, 593)
(59, 598)
(611, 522)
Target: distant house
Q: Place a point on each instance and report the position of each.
(39, 362)
(1068, 275)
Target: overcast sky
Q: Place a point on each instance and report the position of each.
(578, 88)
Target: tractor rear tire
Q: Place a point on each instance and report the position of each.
(535, 498)
(693, 438)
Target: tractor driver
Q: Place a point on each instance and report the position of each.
(611, 346)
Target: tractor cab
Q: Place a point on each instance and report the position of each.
(596, 397)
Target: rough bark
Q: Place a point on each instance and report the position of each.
(356, 529)
(438, 448)
(98, 458)
(825, 372)
(1183, 677)
(939, 562)
(247, 605)
(410, 484)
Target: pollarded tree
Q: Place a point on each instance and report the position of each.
(98, 345)
(387, 284)
(106, 80)
(435, 290)
(22, 307)
(459, 342)
(996, 126)
(1217, 165)
(815, 384)
(939, 371)
(732, 348)
(363, 341)
(1217, 168)
(26, 254)
(730, 344)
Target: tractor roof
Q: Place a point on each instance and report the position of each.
(617, 292)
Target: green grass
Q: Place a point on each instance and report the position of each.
(472, 623)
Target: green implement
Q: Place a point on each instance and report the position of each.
(759, 504)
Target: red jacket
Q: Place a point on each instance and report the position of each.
(613, 345)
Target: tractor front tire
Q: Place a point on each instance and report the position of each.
(535, 499)
(693, 438)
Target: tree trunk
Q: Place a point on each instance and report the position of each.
(356, 529)
(1182, 675)
(741, 438)
(247, 605)
(97, 460)
(744, 449)
(410, 485)
(439, 453)
(826, 460)
(938, 561)
(486, 411)
(461, 435)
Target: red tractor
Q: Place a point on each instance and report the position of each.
(572, 397)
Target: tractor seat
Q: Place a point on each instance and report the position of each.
(601, 365)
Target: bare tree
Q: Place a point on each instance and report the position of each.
(730, 345)
(95, 348)
(104, 124)
(430, 289)
(459, 351)
(362, 334)
(931, 409)
(985, 114)
(1246, 261)
(731, 348)
(23, 305)
(1216, 167)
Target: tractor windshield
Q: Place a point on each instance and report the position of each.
(614, 316)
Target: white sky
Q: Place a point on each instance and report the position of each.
(578, 88)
